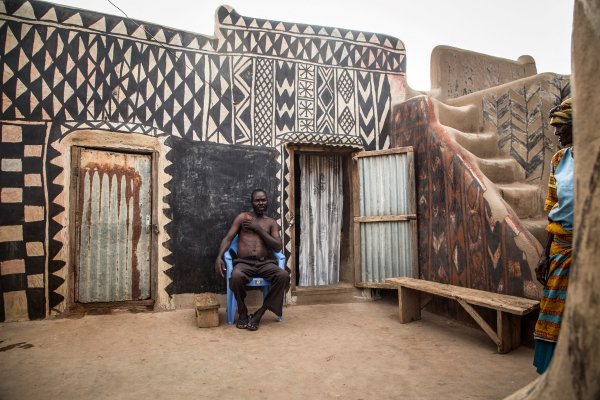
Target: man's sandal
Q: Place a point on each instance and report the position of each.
(252, 325)
(242, 323)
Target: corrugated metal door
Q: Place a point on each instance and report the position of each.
(384, 216)
(113, 226)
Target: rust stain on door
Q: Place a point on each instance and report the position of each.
(114, 226)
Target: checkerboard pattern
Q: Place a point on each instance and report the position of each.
(22, 222)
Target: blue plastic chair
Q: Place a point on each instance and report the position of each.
(254, 282)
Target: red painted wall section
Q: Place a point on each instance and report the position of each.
(460, 240)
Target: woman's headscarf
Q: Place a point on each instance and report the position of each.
(563, 113)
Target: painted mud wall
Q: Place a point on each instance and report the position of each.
(66, 72)
(207, 191)
(518, 113)
(514, 115)
(457, 72)
(459, 241)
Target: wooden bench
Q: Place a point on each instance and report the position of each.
(509, 308)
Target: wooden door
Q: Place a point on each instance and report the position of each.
(384, 207)
(113, 226)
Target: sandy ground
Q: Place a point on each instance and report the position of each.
(346, 351)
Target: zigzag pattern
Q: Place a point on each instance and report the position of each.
(121, 104)
(110, 126)
(321, 138)
(496, 117)
(280, 195)
(83, 70)
(58, 291)
(285, 76)
(218, 116)
(322, 45)
(227, 16)
(519, 118)
(57, 270)
(527, 130)
(70, 74)
(325, 100)
(366, 115)
(105, 24)
(165, 280)
(382, 88)
(242, 86)
(287, 187)
(185, 88)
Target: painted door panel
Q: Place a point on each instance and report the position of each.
(114, 226)
(385, 215)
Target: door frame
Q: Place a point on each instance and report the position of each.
(72, 304)
(322, 150)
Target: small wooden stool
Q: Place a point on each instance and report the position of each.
(207, 310)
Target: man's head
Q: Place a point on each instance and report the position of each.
(561, 118)
(259, 201)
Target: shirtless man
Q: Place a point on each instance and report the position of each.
(257, 234)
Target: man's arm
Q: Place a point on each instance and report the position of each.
(275, 235)
(226, 242)
(271, 238)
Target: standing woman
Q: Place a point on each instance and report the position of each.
(553, 268)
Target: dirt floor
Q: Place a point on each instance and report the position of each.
(347, 351)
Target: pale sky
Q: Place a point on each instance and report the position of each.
(507, 28)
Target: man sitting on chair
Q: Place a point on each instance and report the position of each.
(257, 235)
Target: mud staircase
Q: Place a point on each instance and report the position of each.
(503, 171)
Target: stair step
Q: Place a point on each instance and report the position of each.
(501, 170)
(524, 198)
(537, 227)
(484, 145)
(463, 118)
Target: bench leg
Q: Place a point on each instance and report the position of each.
(509, 331)
(409, 305)
(481, 322)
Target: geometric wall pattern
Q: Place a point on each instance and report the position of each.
(22, 221)
(519, 117)
(257, 82)
(56, 203)
(89, 69)
(460, 242)
(299, 42)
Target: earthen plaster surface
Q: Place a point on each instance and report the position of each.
(350, 351)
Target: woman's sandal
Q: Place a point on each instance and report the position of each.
(242, 323)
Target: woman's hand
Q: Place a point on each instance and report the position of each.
(541, 271)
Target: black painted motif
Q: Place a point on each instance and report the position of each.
(211, 185)
(258, 82)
